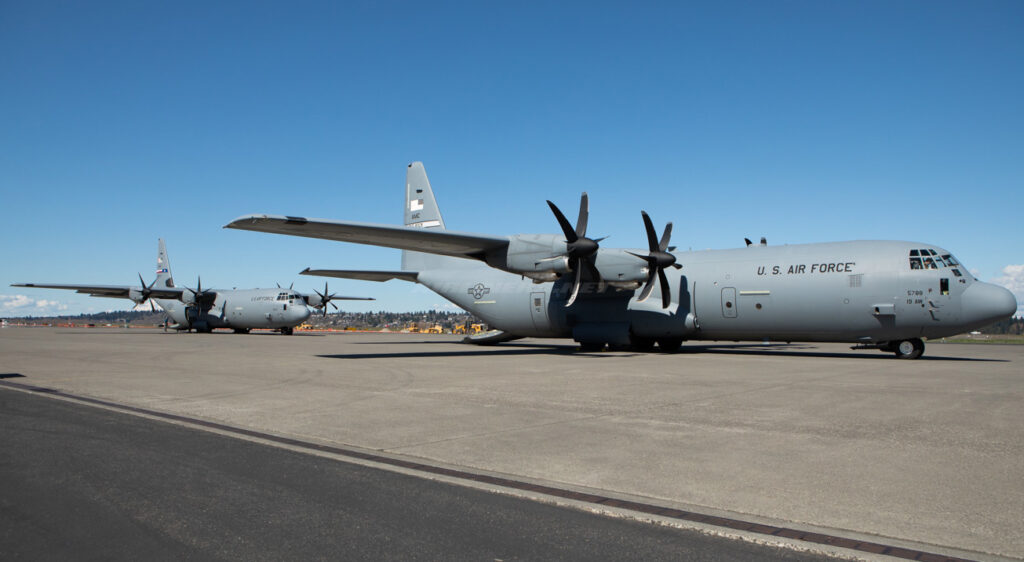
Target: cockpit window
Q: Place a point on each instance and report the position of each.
(926, 258)
(282, 296)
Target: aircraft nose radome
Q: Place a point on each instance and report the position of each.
(989, 302)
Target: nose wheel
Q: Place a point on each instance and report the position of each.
(908, 349)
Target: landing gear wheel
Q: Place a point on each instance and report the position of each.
(908, 349)
(670, 345)
(642, 344)
(287, 331)
(591, 346)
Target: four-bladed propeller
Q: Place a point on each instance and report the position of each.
(579, 249)
(657, 260)
(326, 298)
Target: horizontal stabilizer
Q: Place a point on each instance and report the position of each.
(363, 275)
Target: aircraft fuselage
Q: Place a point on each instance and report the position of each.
(240, 309)
(862, 292)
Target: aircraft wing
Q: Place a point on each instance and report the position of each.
(110, 291)
(362, 274)
(443, 242)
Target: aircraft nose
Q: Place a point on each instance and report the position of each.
(988, 302)
(301, 312)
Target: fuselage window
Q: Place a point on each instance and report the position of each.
(950, 260)
(915, 263)
(957, 272)
(944, 286)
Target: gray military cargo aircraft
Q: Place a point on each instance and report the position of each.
(883, 295)
(204, 310)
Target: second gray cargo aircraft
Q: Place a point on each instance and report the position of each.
(204, 310)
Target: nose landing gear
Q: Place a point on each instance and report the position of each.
(904, 349)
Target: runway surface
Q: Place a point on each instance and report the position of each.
(923, 455)
(87, 483)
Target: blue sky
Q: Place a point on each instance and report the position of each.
(799, 121)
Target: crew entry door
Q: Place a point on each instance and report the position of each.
(539, 310)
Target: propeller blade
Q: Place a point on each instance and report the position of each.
(575, 286)
(663, 245)
(152, 307)
(652, 237)
(335, 306)
(581, 220)
(666, 296)
(648, 287)
(570, 234)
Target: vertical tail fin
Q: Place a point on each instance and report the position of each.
(420, 206)
(163, 266)
(421, 211)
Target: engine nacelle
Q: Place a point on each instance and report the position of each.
(314, 300)
(534, 255)
(135, 295)
(188, 297)
(620, 269)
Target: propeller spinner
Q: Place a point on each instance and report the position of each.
(657, 260)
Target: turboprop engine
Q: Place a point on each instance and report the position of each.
(540, 257)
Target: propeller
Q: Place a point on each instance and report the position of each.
(326, 298)
(199, 294)
(579, 249)
(289, 286)
(657, 260)
(146, 291)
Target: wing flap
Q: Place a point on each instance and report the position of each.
(443, 242)
(362, 274)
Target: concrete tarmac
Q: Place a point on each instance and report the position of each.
(813, 435)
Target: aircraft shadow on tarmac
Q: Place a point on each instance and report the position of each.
(11, 376)
(772, 350)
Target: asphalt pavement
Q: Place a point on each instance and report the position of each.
(79, 482)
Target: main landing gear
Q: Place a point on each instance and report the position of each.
(287, 331)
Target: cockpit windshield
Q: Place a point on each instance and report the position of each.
(926, 258)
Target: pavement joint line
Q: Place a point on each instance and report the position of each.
(766, 530)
